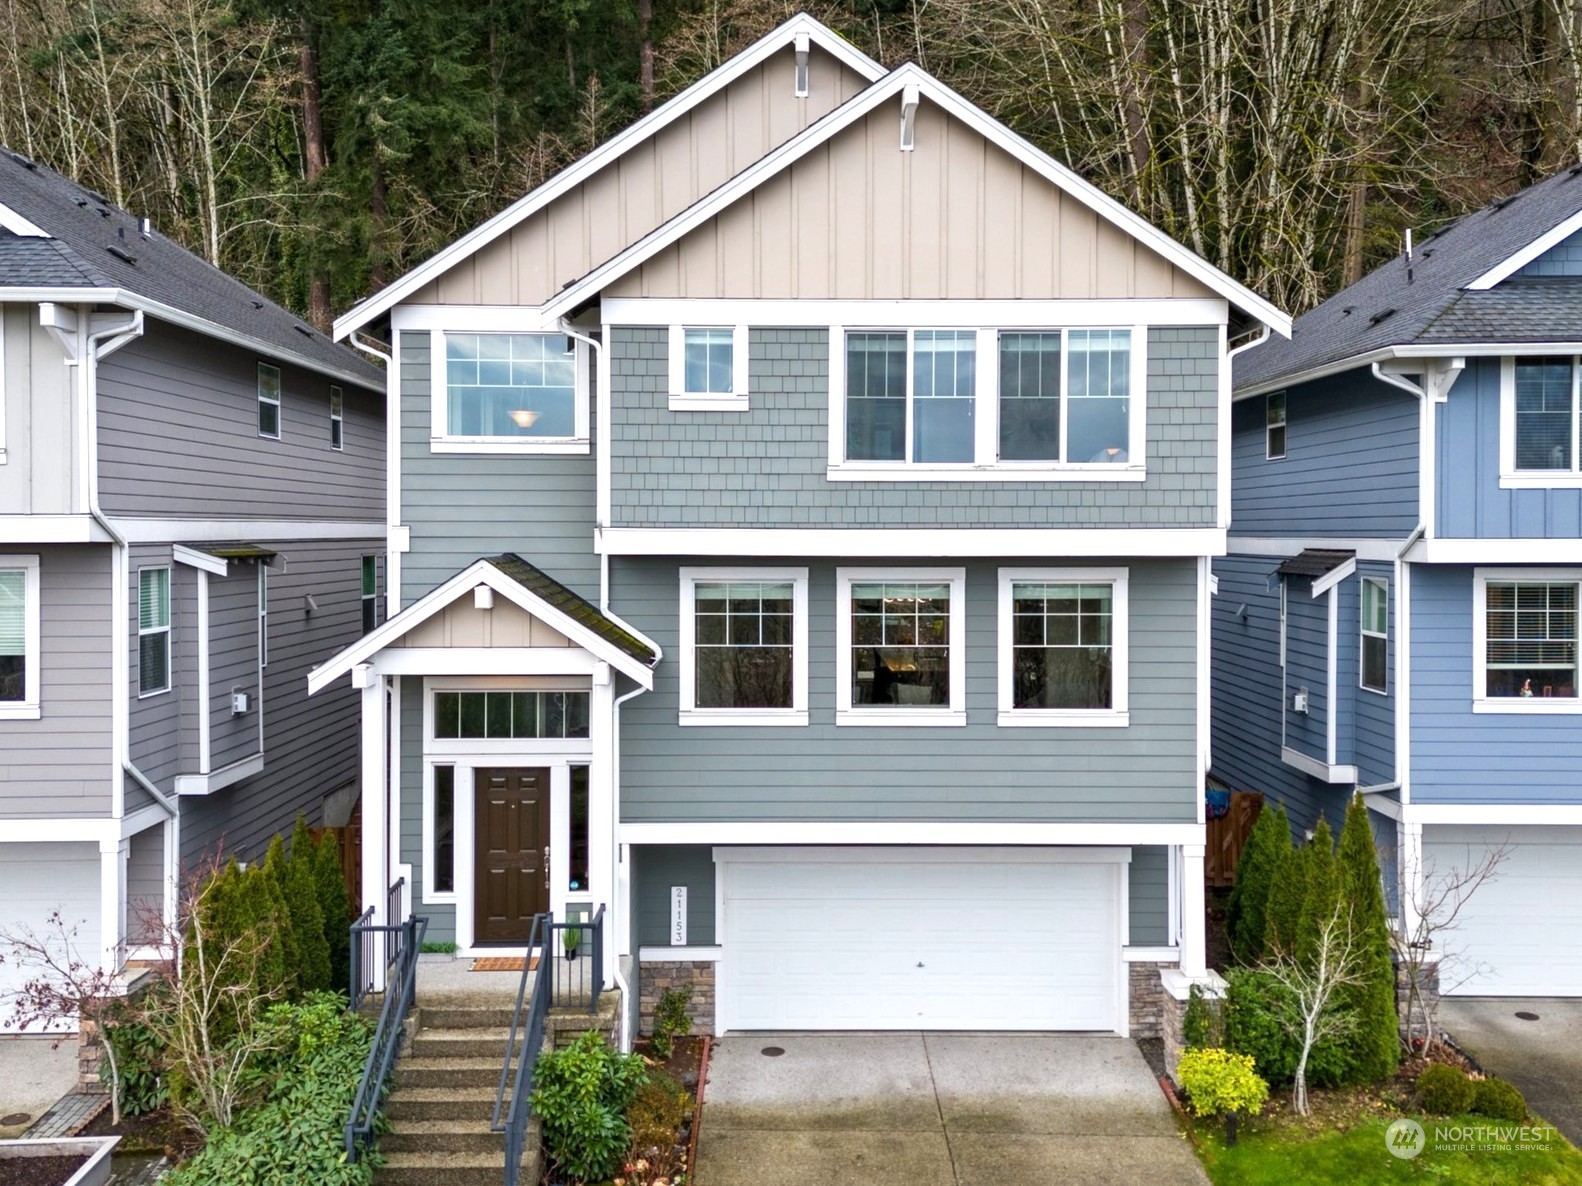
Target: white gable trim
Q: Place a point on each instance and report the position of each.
(953, 104)
(790, 33)
(1512, 264)
(17, 225)
(479, 573)
(1333, 577)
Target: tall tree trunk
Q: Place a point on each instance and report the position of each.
(645, 54)
(1356, 224)
(378, 212)
(315, 158)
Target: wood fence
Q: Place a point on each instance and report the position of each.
(1227, 836)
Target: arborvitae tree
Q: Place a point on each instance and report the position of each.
(240, 902)
(1320, 888)
(1287, 896)
(307, 917)
(1373, 1046)
(272, 877)
(1249, 897)
(331, 888)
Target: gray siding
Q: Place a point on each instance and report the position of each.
(1563, 259)
(233, 662)
(154, 722)
(145, 884)
(60, 764)
(980, 771)
(462, 506)
(1148, 897)
(655, 868)
(38, 412)
(178, 417)
(441, 915)
(766, 467)
(1307, 669)
(1350, 466)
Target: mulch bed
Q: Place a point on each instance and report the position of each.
(159, 1131)
(39, 1171)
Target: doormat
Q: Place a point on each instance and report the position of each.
(502, 963)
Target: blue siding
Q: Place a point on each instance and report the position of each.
(1307, 666)
(1459, 756)
(1470, 503)
(1350, 467)
(657, 867)
(1563, 259)
(1373, 721)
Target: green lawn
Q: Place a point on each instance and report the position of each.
(1279, 1153)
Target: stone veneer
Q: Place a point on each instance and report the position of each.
(1175, 993)
(655, 976)
(1146, 999)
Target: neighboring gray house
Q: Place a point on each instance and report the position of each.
(192, 513)
(802, 524)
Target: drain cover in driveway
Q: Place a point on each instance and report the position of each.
(1526, 1016)
(16, 1118)
(772, 1051)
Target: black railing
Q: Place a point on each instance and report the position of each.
(400, 943)
(576, 962)
(527, 1026)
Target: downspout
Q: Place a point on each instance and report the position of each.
(392, 477)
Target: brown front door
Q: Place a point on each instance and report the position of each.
(512, 851)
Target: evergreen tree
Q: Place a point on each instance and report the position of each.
(1249, 897)
(1287, 897)
(1320, 888)
(331, 888)
(271, 876)
(307, 918)
(1373, 1047)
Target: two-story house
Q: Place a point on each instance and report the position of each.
(192, 513)
(1398, 611)
(804, 508)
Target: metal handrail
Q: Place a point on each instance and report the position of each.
(579, 978)
(511, 1119)
(362, 963)
(402, 943)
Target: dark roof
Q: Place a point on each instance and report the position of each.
(579, 609)
(94, 244)
(237, 551)
(1314, 562)
(1388, 308)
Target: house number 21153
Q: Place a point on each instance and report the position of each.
(678, 916)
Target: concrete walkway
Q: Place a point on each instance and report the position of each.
(33, 1077)
(937, 1110)
(1542, 1058)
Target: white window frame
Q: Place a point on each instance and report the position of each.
(275, 401)
(682, 400)
(1119, 714)
(431, 829)
(986, 464)
(29, 708)
(263, 615)
(366, 598)
(1269, 426)
(337, 419)
(1536, 705)
(955, 714)
(797, 714)
(441, 441)
(1363, 633)
(1512, 478)
(170, 656)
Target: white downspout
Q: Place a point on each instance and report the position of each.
(392, 470)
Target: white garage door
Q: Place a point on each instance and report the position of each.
(1522, 924)
(888, 939)
(35, 881)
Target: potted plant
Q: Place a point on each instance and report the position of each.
(571, 940)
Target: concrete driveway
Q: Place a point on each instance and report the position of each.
(937, 1110)
(1543, 1058)
(32, 1077)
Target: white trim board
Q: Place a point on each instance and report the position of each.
(202, 561)
(951, 543)
(1287, 546)
(911, 854)
(51, 529)
(22, 227)
(573, 175)
(891, 833)
(164, 531)
(207, 784)
(1517, 815)
(1107, 313)
(691, 955)
(1534, 551)
(1336, 774)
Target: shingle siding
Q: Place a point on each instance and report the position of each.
(1563, 259)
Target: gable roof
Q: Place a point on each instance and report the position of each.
(580, 170)
(530, 589)
(887, 89)
(1446, 295)
(58, 237)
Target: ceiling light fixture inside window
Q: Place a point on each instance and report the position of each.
(524, 417)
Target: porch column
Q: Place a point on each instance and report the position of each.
(1410, 889)
(112, 901)
(375, 813)
(601, 810)
(1194, 956)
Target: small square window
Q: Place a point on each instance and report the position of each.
(268, 401)
(708, 362)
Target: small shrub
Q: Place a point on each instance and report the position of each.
(581, 1095)
(671, 1020)
(1499, 1100)
(330, 884)
(1220, 1083)
(655, 1117)
(1253, 1006)
(1445, 1091)
(1203, 1022)
(140, 1055)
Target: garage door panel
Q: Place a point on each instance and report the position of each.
(35, 881)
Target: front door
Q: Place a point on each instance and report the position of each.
(512, 853)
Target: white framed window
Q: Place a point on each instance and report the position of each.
(900, 646)
(1540, 422)
(439, 832)
(508, 393)
(744, 646)
(577, 847)
(1373, 662)
(1063, 647)
(1524, 640)
(1274, 426)
(337, 418)
(370, 593)
(263, 614)
(153, 631)
(268, 401)
(20, 641)
(964, 403)
(708, 368)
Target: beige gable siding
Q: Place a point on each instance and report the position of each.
(957, 218)
(648, 184)
(461, 624)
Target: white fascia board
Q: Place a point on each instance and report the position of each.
(193, 558)
(579, 171)
(1406, 352)
(164, 531)
(51, 529)
(1339, 775)
(1516, 815)
(1120, 312)
(992, 130)
(218, 780)
(1333, 577)
(884, 833)
(480, 662)
(955, 854)
(916, 542)
(12, 221)
(1287, 546)
(1539, 551)
(69, 830)
(1512, 264)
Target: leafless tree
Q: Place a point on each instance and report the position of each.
(1307, 1008)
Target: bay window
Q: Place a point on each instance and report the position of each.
(1063, 646)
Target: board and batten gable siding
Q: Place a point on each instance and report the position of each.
(178, 436)
(1147, 772)
(1469, 502)
(310, 745)
(647, 184)
(460, 506)
(61, 764)
(1350, 466)
(766, 467)
(1459, 756)
(41, 438)
(956, 217)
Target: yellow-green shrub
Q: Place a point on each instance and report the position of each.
(1220, 1083)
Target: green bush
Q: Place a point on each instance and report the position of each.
(581, 1095)
(237, 903)
(1245, 914)
(1445, 1091)
(299, 887)
(1203, 1021)
(656, 1113)
(1254, 1007)
(1221, 1083)
(330, 886)
(671, 1020)
(1373, 1047)
(1499, 1100)
(139, 1058)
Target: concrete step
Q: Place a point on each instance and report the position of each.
(452, 1169)
(462, 1043)
(440, 1103)
(443, 1136)
(448, 1072)
(460, 1017)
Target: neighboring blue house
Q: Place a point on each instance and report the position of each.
(1398, 611)
(802, 523)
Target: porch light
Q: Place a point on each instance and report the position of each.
(802, 41)
(909, 97)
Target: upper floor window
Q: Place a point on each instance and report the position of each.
(1063, 646)
(268, 401)
(1375, 634)
(900, 642)
(744, 646)
(153, 631)
(337, 418)
(19, 637)
(708, 368)
(1525, 641)
(1539, 422)
(1274, 419)
(510, 392)
(370, 593)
